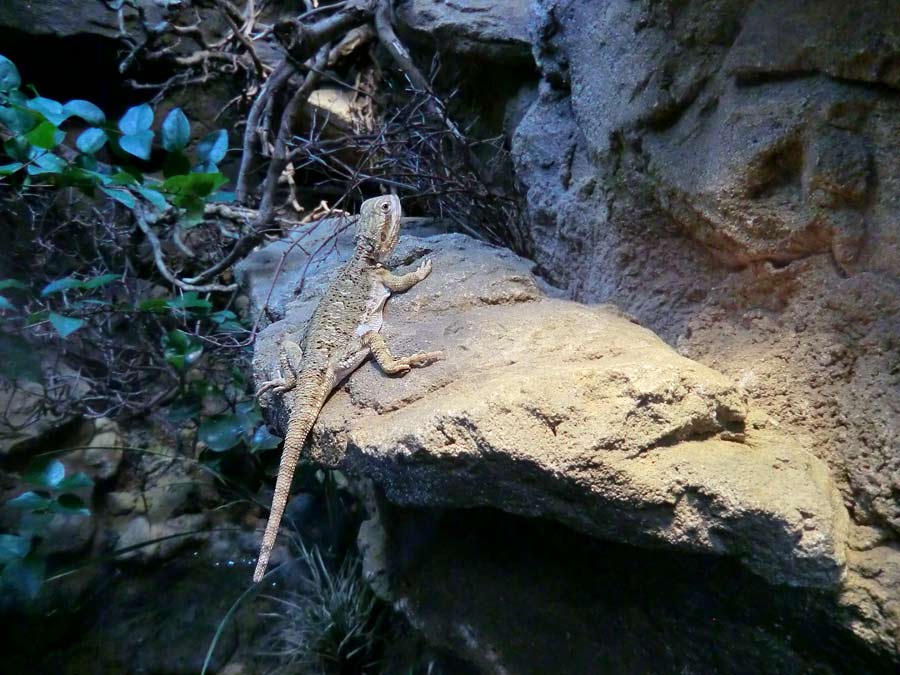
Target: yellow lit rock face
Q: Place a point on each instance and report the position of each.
(549, 408)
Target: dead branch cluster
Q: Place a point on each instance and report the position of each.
(299, 159)
(407, 142)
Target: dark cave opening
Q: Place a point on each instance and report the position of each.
(78, 67)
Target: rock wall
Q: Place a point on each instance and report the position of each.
(729, 173)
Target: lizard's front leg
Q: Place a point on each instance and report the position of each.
(394, 366)
(403, 282)
(289, 360)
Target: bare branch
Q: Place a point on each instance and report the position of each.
(155, 245)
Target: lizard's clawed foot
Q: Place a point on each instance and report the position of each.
(424, 270)
(424, 359)
(403, 366)
(279, 385)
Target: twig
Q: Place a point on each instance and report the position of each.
(275, 81)
(161, 265)
(279, 154)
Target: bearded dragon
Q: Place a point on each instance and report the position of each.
(342, 333)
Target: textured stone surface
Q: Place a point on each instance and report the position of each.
(65, 18)
(729, 174)
(491, 29)
(547, 408)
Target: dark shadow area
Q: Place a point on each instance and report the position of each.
(78, 67)
(537, 598)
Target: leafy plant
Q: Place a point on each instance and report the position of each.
(53, 492)
(39, 145)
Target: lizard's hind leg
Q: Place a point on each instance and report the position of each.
(392, 365)
(289, 361)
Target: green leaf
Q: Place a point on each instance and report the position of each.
(46, 163)
(45, 135)
(91, 140)
(123, 178)
(184, 409)
(29, 501)
(153, 305)
(154, 197)
(176, 131)
(9, 74)
(13, 283)
(76, 481)
(70, 504)
(18, 148)
(136, 120)
(188, 300)
(85, 110)
(181, 349)
(5, 305)
(250, 412)
(222, 432)
(24, 577)
(13, 547)
(223, 316)
(7, 169)
(18, 359)
(194, 184)
(263, 439)
(194, 211)
(121, 195)
(18, 121)
(50, 109)
(65, 325)
(59, 285)
(102, 280)
(46, 472)
(137, 144)
(212, 149)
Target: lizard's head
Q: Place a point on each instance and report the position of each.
(379, 226)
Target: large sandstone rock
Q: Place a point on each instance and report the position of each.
(551, 409)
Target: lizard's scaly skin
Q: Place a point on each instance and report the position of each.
(341, 334)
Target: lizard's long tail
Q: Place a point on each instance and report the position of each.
(308, 399)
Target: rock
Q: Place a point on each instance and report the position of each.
(103, 450)
(141, 530)
(167, 503)
(850, 42)
(28, 423)
(67, 534)
(730, 178)
(576, 414)
(81, 17)
(496, 31)
(334, 109)
(332, 240)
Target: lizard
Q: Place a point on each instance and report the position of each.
(343, 332)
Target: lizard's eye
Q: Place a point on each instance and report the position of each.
(385, 206)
